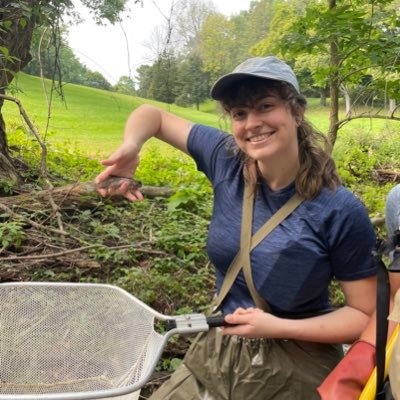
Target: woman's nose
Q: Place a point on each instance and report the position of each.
(253, 120)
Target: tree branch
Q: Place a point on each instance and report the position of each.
(30, 222)
(43, 168)
(79, 249)
(343, 122)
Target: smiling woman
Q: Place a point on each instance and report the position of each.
(273, 168)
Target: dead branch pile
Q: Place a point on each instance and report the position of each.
(386, 175)
(53, 238)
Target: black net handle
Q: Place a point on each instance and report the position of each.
(214, 321)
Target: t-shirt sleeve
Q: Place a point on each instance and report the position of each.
(351, 239)
(210, 149)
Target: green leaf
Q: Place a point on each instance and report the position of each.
(6, 24)
(23, 22)
(4, 50)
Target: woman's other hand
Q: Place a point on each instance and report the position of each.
(251, 323)
(122, 163)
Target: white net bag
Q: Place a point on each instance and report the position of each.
(79, 341)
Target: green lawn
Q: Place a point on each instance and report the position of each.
(92, 118)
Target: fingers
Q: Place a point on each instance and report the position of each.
(104, 175)
(103, 192)
(114, 158)
(109, 161)
(244, 322)
(242, 315)
(134, 196)
(249, 310)
(238, 319)
(125, 187)
(124, 190)
(122, 163)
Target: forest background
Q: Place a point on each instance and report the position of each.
(57, 125)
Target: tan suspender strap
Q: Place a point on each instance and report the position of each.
(245, 245)
(276, 219)
(242, 258)
(231, 274)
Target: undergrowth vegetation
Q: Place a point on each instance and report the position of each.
(361, 157)
(166, 265)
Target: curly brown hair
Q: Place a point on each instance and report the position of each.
(317, 168)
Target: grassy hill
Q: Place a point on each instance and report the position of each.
(91, 118)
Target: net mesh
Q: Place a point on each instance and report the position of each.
(58, 339)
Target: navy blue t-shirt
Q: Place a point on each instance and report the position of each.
(328, 236)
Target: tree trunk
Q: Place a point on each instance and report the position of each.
(17, 40)
(7, 170)
(347, 101)
(392, 105)
(322, 97)
(333, 87)
(78, 196)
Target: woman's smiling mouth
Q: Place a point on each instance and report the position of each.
(259, 138)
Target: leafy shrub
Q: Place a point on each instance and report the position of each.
(65, 162)
(7, 187)
(11, 234)
(357, 155)
(356, 163)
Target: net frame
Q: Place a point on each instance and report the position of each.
(48, 296)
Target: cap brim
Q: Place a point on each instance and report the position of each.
(225, 81)
(221, 85)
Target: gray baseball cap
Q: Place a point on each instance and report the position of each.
(262, 67)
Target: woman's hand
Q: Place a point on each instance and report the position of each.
(123, 162)
(252, 323)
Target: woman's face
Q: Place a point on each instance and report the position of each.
(266, 129)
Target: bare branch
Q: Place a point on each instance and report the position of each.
(29, 221)
(393, 111)
(343, 122)
(43, 167)
(79, 249)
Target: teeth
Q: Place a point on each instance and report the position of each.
(258, 138)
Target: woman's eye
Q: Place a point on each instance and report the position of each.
(237, 114)
(266, 106)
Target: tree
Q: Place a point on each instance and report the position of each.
(283, 16)
(225, 42)
(218, 45)
(125, 85)
(164, 84)
(253, 25)
(96, 79)
(144, 77)
(357, 39)
(18, 19)
(189, 21)
(165, 45)
(194, 82)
